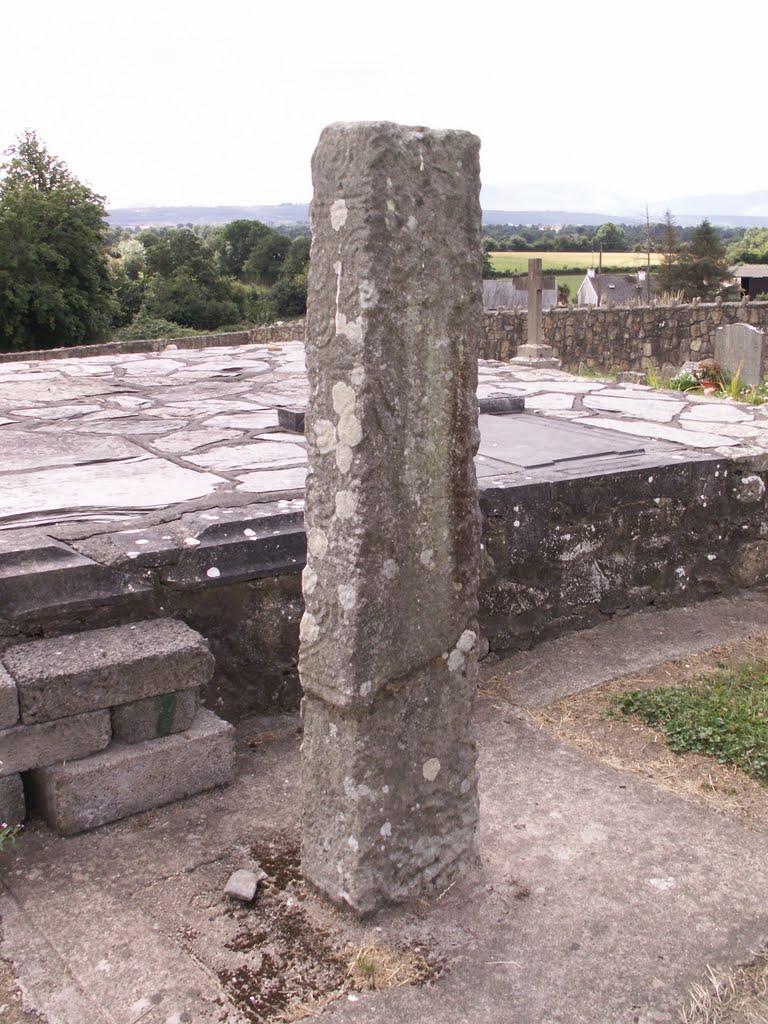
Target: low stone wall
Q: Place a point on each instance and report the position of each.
(263, 334)
(560, 554)
(624, 338)
(569, 554)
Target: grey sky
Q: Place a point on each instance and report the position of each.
(206, 103)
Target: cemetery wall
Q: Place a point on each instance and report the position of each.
(288, 330)
(622, 338)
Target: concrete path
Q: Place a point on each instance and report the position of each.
(600, 899)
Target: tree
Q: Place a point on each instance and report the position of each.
(236, 242)
(752, 248)
(611, 237)
(670, 253)
(55, 287)
(265, 263)
(702, 267)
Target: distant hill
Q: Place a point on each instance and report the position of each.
(170, 216)
(518, 204)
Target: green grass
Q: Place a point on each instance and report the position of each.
(723, 715)
(563, 262)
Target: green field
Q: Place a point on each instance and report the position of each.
(552, 262)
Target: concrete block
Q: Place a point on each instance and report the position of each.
(153, 717)
(106, 667)
(9, 701)
(130, 778)
(67, 739)
(12, 807)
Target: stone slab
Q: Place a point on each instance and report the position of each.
(129, 778)
(740, 348)
(528, 441)
(662, 432)
(13, 808)
(153, 717)
(106, 667)
(250, 456)
(109, 490)
(40, 577)
(267, 481)
(651, 408)
(9, 701)
(65, 739)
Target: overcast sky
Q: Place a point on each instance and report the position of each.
(218, 103)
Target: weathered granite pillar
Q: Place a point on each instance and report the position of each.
(388, 638)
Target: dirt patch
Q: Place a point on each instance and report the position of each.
(11, 1005)
(293, 955)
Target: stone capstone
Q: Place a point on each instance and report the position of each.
(387, 654)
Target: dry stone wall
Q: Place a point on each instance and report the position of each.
(624, 338)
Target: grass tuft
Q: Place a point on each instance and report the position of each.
(723, 715)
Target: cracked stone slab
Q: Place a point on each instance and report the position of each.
(663, 433)
(249, 456)
(659, 410)
(109, 490)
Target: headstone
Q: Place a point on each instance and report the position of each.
(535, 353)
(740, 348)
(388, 653)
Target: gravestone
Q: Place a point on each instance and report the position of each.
(388, 639)
(740, 348)
(535, 353)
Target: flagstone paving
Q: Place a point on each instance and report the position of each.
(111, 438)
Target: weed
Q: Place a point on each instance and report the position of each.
(8, 834)
(655, 379)
(723, 715)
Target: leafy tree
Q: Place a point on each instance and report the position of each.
(265, 263)
(192, 301)
(611, 237)
(752, 248)
(55, 288)
(702, 267)
(236, 242)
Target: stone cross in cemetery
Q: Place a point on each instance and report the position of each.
(388, 639)
(535, 353)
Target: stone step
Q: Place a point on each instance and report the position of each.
(103, 668)
(126, 779)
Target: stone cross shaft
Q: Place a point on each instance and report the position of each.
(535, 353)
(535, 285)
(388, 638)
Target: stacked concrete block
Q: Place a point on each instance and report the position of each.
(12, 807)
(107, 723)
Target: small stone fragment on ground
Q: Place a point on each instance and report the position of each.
(242, 885)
